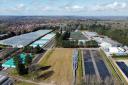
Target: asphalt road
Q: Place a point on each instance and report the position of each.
(50, 44)
(38, 57)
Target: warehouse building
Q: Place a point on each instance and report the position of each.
(78, 36)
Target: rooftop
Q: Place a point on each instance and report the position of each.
(23, 39)
(91, 34)
(5, 80)
(77, 36)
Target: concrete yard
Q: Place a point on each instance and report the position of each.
(60, 61)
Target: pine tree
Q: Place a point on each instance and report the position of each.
(20, 67)
(28, 60)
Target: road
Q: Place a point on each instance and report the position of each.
(38, 57)
(30, 81)
(47, 46)
(50, 44)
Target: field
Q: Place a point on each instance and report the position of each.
(123, 67)
(95, 67)
(60, 62)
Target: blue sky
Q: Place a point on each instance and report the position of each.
(64, 7)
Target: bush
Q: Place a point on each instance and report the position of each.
(91, 43)
(119, 56)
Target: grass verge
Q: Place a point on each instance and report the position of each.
(23, 83)
(80, 68)
(46, 57)
(114, 70)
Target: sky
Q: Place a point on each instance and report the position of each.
(64, 7)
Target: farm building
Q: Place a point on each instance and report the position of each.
(24, 39)
(78, 36)
(44, 40)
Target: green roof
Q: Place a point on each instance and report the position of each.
(77, 36)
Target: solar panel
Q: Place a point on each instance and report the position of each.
(75, 59)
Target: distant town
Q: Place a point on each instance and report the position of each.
(63, 50)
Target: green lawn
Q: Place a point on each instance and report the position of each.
(120, 56)
(13, 72)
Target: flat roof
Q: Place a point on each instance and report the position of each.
(77, 36)
(109, 40)
(92, 34)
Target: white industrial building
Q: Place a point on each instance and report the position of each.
(90, 35)
(107, 44)
(117, 51)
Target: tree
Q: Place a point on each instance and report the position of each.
(91, 43)
(28, 60)
(20, 67)
(81, 44)
(57, 38)
(38, 49)
(16, 59)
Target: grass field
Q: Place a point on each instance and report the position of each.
(60, 61)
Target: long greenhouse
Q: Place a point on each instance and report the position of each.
(24, 39)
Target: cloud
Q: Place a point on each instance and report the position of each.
(68, 8)
(115, 6)
(20, 7)
(17, 8)
(73, 8)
